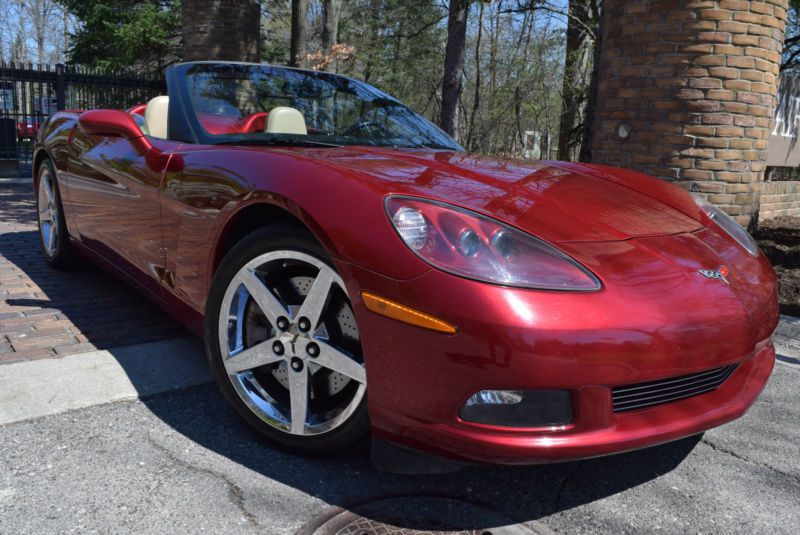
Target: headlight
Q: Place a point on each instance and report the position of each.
(470, 245)
(726, 223)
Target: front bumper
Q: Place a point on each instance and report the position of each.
(585, 343)
(597, 431)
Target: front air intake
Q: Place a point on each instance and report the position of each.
(638, 396)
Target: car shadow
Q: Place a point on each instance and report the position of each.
(110, 314)
(522, 494)
(100, 310)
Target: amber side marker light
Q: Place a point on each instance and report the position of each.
(396, 311)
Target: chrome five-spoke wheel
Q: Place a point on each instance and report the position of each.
(53, 232)
(290, 345)
(48, 206)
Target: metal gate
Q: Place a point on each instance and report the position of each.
(29, 94)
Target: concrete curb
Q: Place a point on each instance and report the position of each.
(43, 387)
(787, 341)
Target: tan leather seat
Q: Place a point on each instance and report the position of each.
(285, 120)
(155, 116)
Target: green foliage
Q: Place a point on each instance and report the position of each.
(791, 44)
(125, 34)
(521, 63)
(276, 28)
(512, 78)
(398, 44)
(399, 48)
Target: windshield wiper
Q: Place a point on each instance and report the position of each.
(276, 142)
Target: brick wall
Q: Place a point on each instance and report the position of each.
(221, 30)
(780, 198)
(695, 81)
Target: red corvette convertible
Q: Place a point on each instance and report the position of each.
(330, 243)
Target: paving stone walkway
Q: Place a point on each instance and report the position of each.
(46, 313)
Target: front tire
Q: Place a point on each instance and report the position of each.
(283, 344)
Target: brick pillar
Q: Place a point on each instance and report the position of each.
(221, 30)
(695, 82)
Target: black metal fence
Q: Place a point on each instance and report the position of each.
(28, 94)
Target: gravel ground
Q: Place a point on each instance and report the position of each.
(779, 238)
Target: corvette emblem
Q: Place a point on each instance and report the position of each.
(718, 274)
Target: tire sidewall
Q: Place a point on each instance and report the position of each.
(345, 437)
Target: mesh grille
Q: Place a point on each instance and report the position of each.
(637, 396)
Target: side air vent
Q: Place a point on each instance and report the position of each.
(638, 396)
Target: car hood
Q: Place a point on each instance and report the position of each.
(557, 201)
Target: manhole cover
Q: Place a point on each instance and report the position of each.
(418, 515)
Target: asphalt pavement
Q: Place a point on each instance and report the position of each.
(180, 461)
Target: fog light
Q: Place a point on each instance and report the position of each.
(519, 408)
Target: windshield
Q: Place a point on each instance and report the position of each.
(251, 104)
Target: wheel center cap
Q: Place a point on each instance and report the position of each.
(291, 341)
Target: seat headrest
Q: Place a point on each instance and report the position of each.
(155, 116)
(285, 120)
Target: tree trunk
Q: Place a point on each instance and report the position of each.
(373, 40)
(452, 84)
(494, 23)
(63, 55)
(19, 53)
(331, 10)
(591, 98)
(39, 13)
(299, 32)
(19, 50)
(221, 30)
(476, 102)
(40, 44)
(576, 76)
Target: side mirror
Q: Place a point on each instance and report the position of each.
(120, 124)
(115, 123)
(110, 123)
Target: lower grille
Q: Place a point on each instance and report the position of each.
(638, 396)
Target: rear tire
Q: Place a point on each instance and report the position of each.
(53, 233)
(277, 287)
